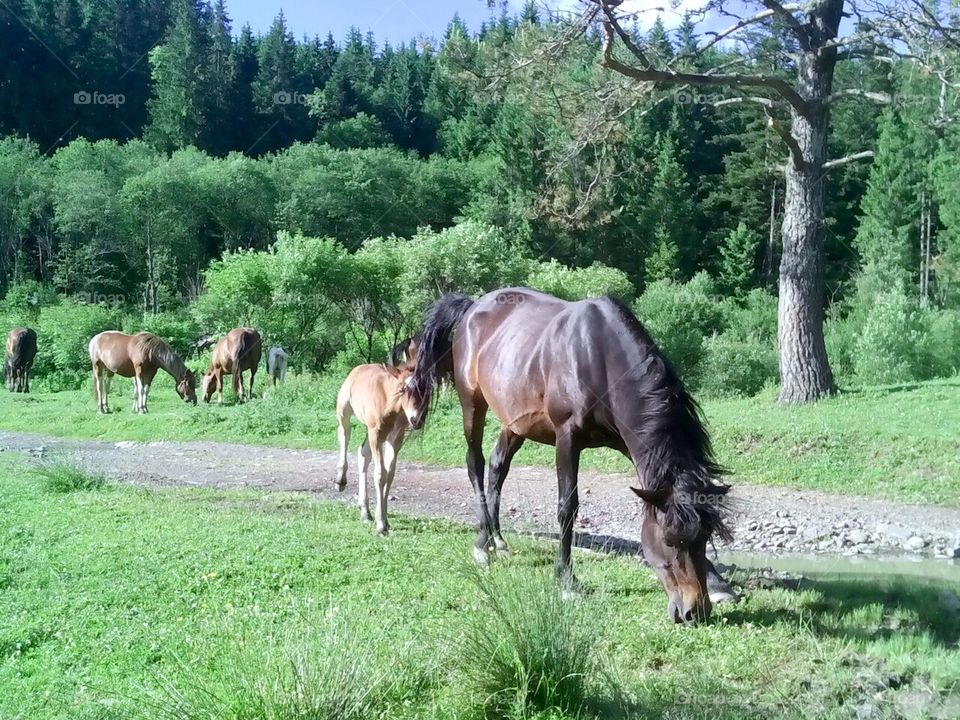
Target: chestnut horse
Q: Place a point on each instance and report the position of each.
(238, 351)
(378, 395)
(580, 375)
(21, 350)
(138, 356)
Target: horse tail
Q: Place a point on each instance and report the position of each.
(239, 351)
(441, 320)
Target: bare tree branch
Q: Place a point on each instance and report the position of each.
(611, 28)
(830, 164)
(881, 98)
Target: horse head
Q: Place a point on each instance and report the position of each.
(678, 523)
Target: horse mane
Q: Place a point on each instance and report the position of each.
(681, 455)
(159, 352)
(399, 350)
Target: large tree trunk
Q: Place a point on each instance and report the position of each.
(805, 374)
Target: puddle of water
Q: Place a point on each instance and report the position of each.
(865, 567)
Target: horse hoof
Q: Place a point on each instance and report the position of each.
(383, 531)
(570, 588)
(481, 556)
(501, 547)
(365, 517)
(340, 486)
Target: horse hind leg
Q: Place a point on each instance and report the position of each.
(474, 415)
(377, 447)
(344, 413)
(508, 443)
(568, 503)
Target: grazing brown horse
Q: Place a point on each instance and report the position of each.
(579, 375)
(238, 351)
(138, 356)
(378, 395)
(21, 350)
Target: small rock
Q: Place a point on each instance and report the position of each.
(915, 543)
(866, 710)
(896, 532)
(858, 536)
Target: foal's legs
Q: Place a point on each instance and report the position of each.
(98, 388)
(377, 443)
(343, 438)
(219, 377)
(363, 463)
(507, 445)
(568, 465)
(253, 374)
(474, 414)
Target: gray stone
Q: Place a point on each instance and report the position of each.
(897, 532)
(866, 710)
(858, 536)
(915, 543)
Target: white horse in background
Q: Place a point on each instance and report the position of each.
(276, 364)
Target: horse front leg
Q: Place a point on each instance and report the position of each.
(508, 443)
(253, 374)
(376, 441)
(568, 503)
(363, 464)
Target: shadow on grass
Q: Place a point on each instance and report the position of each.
(868, 610)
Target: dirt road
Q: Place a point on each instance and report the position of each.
(764, 518)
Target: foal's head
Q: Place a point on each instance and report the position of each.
(678, 522)
(187, 387)
(410, 401)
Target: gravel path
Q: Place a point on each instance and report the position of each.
(770, 520)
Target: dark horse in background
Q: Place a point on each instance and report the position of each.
(21, 350)
(581, 375)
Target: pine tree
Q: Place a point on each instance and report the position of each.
(661, 264)
(177, 106)
(887, 238)
(738, 259)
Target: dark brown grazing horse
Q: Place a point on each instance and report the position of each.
(580, 375)
(21, 350)
(238, 351)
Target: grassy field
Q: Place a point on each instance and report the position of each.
(122, 602)
(893, 442)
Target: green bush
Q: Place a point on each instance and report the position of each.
(944, 333)
(894, 345)
(680, 316)
(752, 316)
(25, 299)
(177, 328)
(63, 477)
(578, 283)
(64, 331)
(736, 366)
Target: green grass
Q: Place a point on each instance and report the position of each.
(64, 477)
(894, 442)
(202, 604)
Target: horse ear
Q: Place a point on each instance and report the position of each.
(657, 498)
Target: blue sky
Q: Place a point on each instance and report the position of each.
(397, 20)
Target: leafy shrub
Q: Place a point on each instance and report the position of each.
(25, 299)
(737, 366)
(578, 283)
(894, 344)
(177, 328)
(64, 331)
(752, 316)
(944, 344)
(680, 316)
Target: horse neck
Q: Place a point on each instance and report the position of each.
(165, 358)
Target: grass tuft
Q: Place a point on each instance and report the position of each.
(331, 672)
(64, 477)
(526, 650)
